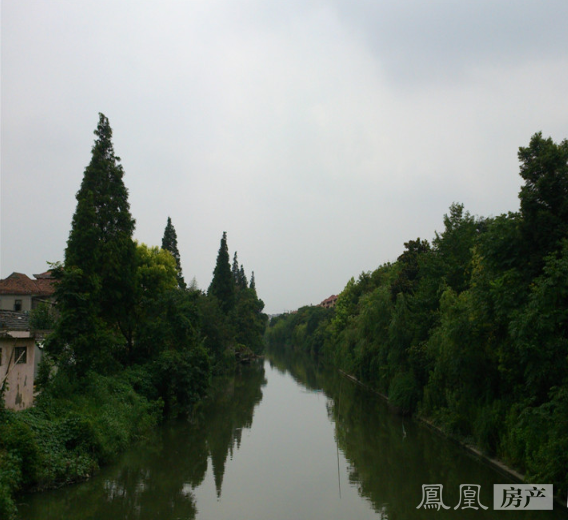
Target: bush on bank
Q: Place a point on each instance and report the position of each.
(75, 427)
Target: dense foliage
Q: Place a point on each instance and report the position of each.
(130, 343)
(471, 330)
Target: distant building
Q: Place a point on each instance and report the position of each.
(329, 302)
(19, 293)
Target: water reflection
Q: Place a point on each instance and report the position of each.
(157, 481)
(391, 457)
(321, 447)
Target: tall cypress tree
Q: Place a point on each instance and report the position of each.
(235, 269)
(223, 286)
(169, 243)
(97, 281)
(242, 281)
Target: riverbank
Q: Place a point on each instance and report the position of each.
(495, 463)
(73, 430)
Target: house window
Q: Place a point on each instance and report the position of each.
(18, 305)
(21, 355)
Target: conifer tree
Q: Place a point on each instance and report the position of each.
(235, 269)
(239, 276)
(169, 243)
(243, 284)
(97, 281)
(223, 285)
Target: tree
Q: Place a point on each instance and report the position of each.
(453, 248)
(96, 287)
(235, 269)
(544, 198)
(165, 313)
(239, 276)
(169, 243)
(223, 286)
(243, 283)
(409, 262)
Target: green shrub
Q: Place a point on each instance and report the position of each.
(488, 427)
(181, 377)
(404, 392)
(10, 480)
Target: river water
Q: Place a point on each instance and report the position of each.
(284, 440)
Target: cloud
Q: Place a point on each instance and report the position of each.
(321, 135)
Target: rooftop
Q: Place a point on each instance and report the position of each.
(11, 320)
(19, 283)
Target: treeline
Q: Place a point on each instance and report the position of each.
(131, 344)
(470, 330)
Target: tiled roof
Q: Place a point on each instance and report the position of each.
(45, 286)
(46, 275)
(19, 283)
(11, 320)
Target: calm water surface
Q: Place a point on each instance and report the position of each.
(282, 440)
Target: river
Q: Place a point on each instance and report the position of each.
(286, 440)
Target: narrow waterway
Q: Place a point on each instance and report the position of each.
(283, 440)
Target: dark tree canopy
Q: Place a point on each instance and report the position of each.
(409, 262)
(169, 243)
(223, 286)
(98, 277)
(102, 220)
(235, 269)
(239, 276)
(544, 197)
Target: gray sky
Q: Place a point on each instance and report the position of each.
(320, 134)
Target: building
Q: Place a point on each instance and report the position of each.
(19, 293)
(329, 302)
(20, 354)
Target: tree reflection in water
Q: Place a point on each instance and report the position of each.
(390, 457)
(156, 481)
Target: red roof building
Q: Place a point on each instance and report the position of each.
(329, 302)
(20, 293)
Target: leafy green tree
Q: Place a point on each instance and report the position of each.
(540, 331)
(43, 316)
(453, 248)
(409, 267)
(156, 278)
(544, 197)
(96, 288)
(222, 285)
(249, 320)
(169, 243)
(156, 271)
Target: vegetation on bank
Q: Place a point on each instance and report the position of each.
(131, 342)
(470, 330)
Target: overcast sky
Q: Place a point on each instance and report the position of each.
(320, 134)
